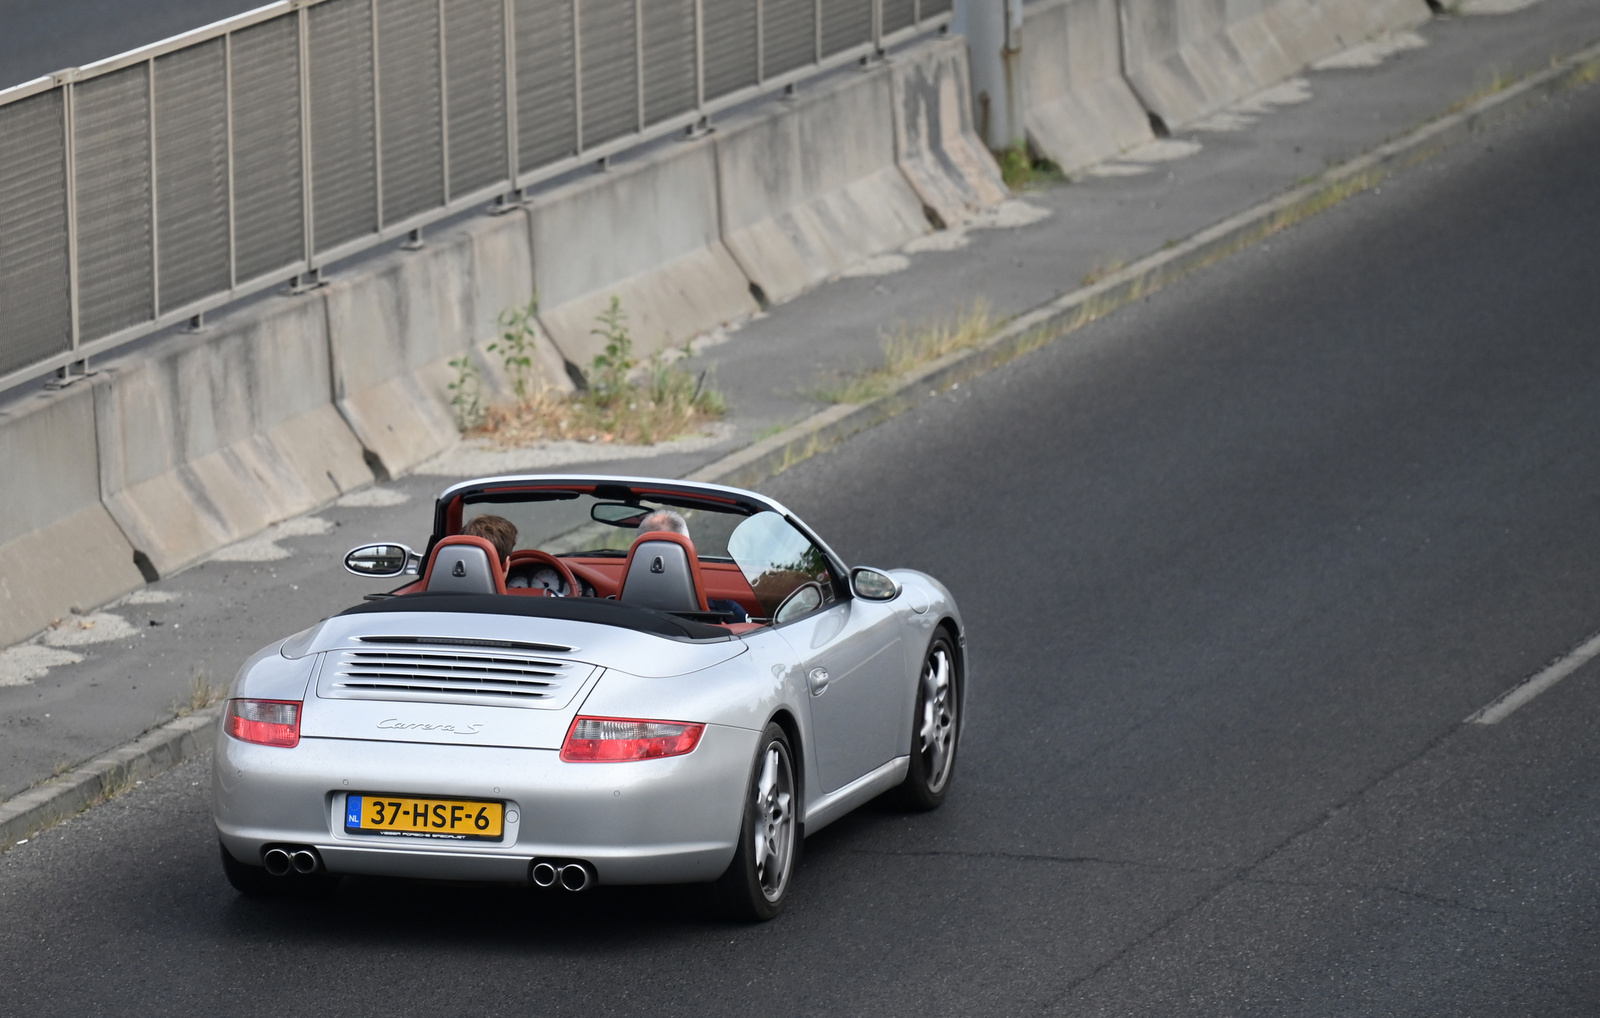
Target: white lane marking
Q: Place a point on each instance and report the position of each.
(1507, 704)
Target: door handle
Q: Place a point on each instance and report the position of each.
(819, 681)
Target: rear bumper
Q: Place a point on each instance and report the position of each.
(655, 821)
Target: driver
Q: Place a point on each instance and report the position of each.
(665, 520)
(498, 531)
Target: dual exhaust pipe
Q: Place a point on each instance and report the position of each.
(282, 860)
(570, 874)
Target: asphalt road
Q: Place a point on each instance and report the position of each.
(1237, 563)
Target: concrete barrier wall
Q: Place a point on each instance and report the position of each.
(935, 144)
(393, 328)
(201, 440)
(1187, 58)
(808, 193)
(59, 548)
(206, 439)
(647, 232)
(1080, 109)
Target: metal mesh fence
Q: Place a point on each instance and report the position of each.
(413, 130)
(35, 292)
(158, 184)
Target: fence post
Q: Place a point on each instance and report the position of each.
(227, 113)
(444, 104)
(994, 30)
(309, 219)
(577, 71)
(508, 26)
(638, 62)
(377, 115)
(70, 150)
(155, 197)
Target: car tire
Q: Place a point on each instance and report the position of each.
(935, 729)
(256, 882)
(756, 884)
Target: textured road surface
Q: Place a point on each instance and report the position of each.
(1238, 561)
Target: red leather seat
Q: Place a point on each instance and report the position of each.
(469, 565)
(663, 571)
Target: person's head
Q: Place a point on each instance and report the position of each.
(497, 530)
(664, 520)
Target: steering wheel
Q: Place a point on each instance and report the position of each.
(529, 562)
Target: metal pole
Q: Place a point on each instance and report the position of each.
(994, 39)
(700, 55)
(761, 41)
(227, 113)
(816, 22)
(877, 28)
(307, 196)
(638, 62)
(155, 207)
(508, 26)
(377, 117)
(70, 147)
(577, 72)
(444, 104)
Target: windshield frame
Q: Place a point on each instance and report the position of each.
(714, 497)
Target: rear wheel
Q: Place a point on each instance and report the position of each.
(935, 725)
(757, 881)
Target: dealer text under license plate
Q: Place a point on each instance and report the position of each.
(452, 819)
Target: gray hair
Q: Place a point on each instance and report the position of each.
(664, 520)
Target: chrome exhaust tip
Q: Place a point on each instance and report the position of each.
(575, 876)
(277, 862)
(544, 874)
(305, 861)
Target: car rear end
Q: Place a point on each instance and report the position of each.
(454, 754)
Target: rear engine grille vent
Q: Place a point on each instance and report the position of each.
(451, 641)
(447, 674)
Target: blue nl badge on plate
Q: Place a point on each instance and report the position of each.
(352, 811)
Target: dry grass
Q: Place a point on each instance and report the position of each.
(910, 347)
(623, 401)
(1497, 84)
(202, 694)
(663, 408)
(1104, 266)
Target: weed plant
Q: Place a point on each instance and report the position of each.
(911, 347)
(622, 401)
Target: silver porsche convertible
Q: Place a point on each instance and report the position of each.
(590, 680)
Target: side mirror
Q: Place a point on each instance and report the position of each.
(873, 584)
(382, 560)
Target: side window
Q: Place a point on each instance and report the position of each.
(777, 560)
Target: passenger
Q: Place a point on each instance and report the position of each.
(664, 521)
(667, 521)
(498, 531)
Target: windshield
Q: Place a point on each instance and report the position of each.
(774, 558)
(564, 526)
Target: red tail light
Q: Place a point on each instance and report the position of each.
(265, 722)
(610, 740)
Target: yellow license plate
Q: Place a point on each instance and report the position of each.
(451, 819)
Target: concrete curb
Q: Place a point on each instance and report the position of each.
(1051, 321)
(107, 775)
(170, 744)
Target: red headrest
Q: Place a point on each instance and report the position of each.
(673, 538)
(496, 567)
